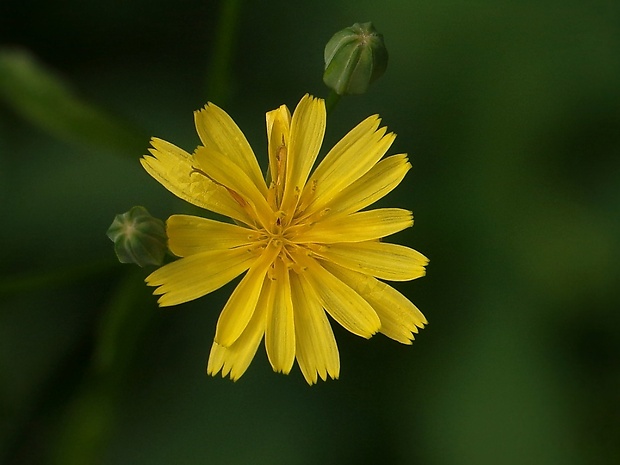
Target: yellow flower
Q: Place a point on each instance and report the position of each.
(301, 237)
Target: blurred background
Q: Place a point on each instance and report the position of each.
(510, 112)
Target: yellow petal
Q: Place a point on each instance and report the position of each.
(194, 276)
(317, 352)
(281, 114)
(174, 169)
(374, 185)
(280, 329)
(278, 129)
(218, 132)
(344, 304)
(222, 170)
(217, 357)
(188, 235)
(400, 318)
(380, 259)
(350, 159)
(236, 359)
(357, 227)
(306, 137)
(242, 302)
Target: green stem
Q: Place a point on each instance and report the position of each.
(90, 417)
(219, 72)
(332, 100)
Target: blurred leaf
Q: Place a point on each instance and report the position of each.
(46, 101)
(54, 277)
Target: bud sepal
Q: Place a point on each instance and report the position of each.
(138, 237)
(354, 58)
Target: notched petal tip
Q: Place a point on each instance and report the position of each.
(312, 98)
(162, 302)
(205, 107)
(313, 377)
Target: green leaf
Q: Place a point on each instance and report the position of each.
(45, 100)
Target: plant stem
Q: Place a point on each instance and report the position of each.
(332, 100)
(219, 71)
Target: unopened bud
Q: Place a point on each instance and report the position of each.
(354, 58)
(138, 237)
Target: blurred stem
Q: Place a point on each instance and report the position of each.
(219, 72)
(87, 422)
(332, 100)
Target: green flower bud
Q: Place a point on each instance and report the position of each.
(354, 58)
(138, 237)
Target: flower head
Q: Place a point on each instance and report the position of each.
(301, 237)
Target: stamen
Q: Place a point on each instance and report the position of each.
(199, 171)
(317, 248)
(314, 217)
(281, 159)
(237, 197)
(280, 214)
(271, 195)
(297, 268)
(287, 259)
(293, 250)
(271, 272)
(306, 199)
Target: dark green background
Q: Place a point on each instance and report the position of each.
(510, 112)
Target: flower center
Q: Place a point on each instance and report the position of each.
(282, 235)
